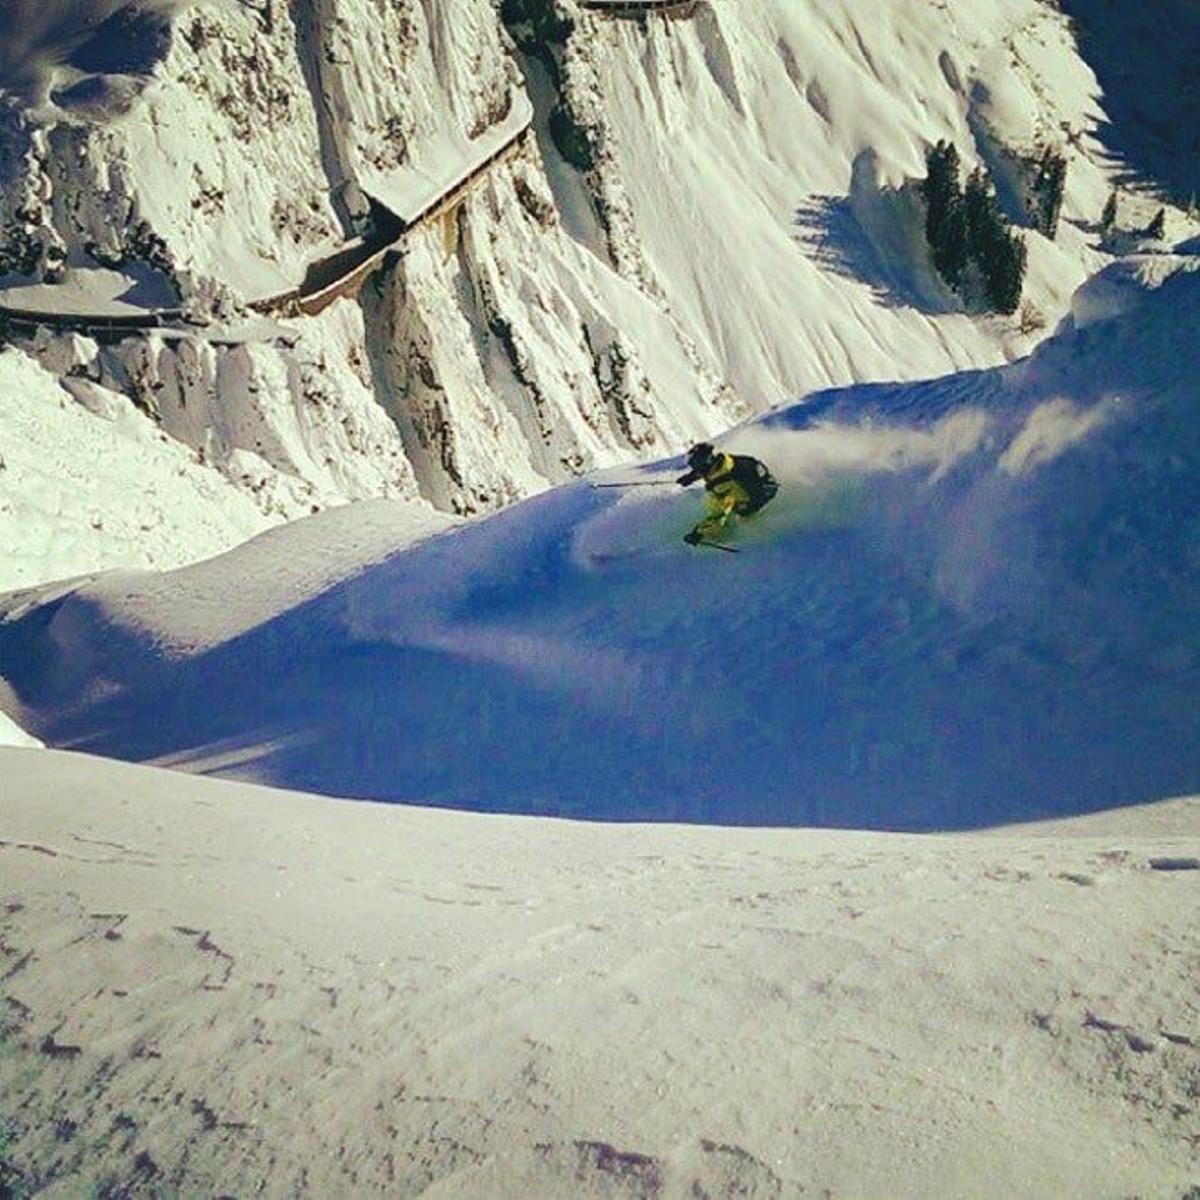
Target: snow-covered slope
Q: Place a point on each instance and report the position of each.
(11, 734)
(87, 482)
(210, 989)
(974, 600)
(759, 145)
(741, 236)
(484, 359)
(752, 160)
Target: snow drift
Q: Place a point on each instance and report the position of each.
(11, 734)
(975, 601)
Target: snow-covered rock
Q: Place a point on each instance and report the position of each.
(89, 483)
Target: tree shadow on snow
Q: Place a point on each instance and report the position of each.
(834, 238)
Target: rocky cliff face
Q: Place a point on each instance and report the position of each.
(485, 358)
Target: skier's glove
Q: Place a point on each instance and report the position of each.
(692, 539)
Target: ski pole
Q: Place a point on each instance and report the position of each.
(636, 483)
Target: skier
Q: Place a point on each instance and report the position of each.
(733, 483)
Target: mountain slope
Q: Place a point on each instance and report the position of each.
(742, 235)
(974, 601)
(90, 482)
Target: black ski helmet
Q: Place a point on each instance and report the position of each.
(702, 456)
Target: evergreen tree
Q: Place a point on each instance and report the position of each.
(997, 252)
(945, 221)
(537, 26)
(1048, 192)
(973, 248)
(571, 140)
(1108, 218)
(1158, 227)
(984, 219)
(1004, 271)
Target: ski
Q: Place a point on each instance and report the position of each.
(719, 546)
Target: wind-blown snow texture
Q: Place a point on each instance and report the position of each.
(974, 601)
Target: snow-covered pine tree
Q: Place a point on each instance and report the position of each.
(1004, 273)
